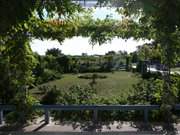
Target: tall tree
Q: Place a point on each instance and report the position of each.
(19, 22)
(16, 68)
(13, 12)
(160, 21)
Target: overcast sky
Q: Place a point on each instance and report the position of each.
(79, 45)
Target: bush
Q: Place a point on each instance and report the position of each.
(90, 76)
(147, 92)
(24, 109)
(48, 75)
(176, 86)
(151, 91)
(75, 95)
(51, 95)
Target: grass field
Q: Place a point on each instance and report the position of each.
(116, 84)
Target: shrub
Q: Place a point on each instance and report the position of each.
(75, 95)
(51, 95)
(175, 80)
(90, 76)
(24, 109)
(150, 91)
(48, 75)
(147, 92)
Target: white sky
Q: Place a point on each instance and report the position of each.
(79, 45)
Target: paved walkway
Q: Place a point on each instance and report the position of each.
(115, 128)
(89, 133)
(69, 128)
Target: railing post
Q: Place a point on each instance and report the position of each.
(1, 117)
(146, 115)
(95, 116)
(46, 116)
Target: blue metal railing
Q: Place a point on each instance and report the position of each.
(94, 108)
(97, 107)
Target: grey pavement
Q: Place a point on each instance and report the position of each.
(87, 128)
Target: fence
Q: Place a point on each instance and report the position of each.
(94, 108)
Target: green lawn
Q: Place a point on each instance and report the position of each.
(116, 84)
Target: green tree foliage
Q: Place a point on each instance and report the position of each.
(20, 21)
(64, 63)
(128, 62)
(134, 57)
(147, 92)
(165, 22)
(75, 95)
(58, 62)
(24, 109)
(150, 91)
(13, 12)
(159, 21)
(155, 20)
(16, 68)
(54, 52)
(149, 52)
(47, 69)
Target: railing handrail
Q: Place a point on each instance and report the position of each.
(89, 107)
(7, 107)
(97, 107)
(94, 108)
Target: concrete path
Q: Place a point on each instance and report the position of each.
(71, 128)
(116, 128)
(88, 133)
